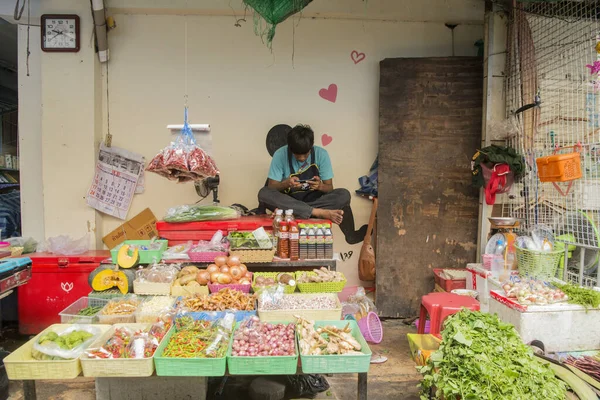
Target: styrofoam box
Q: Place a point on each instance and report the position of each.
(560, 326)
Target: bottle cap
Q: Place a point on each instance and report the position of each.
(279, 212)
(289, 212)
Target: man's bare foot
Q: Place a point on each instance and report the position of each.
(334, 216)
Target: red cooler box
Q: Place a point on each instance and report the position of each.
(56, 282)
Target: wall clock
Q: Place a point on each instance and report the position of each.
(60, 32)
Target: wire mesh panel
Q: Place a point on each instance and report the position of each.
(553, 106)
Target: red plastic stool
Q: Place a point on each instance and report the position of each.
(439, 306)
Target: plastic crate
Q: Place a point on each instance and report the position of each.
(310, 314)
(151, 288)
(111, 319)
(422, 346)
(321, 287)
(262, 365)
(214, 315)
(20, 365)
(170, 366)
(449, 284)
(339, 364)
(287, 289)
(146, 256)
(117, 367)
(69, 315)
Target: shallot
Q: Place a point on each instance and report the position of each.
(259, 339)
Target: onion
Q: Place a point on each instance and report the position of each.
(224, 279)
(214, 277)
(213, 268)
(243, 268)
(202, 277)
(236, 272)
(220, 260)
(233, 261)
(245, 281)
(248, 275)
(225, 269)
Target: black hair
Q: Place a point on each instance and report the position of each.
(301, 139)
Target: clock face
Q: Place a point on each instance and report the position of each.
(60, 33)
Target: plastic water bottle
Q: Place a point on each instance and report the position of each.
(328, 242)
(500, 245)
(303, 242)
(312, 243)
(320, 242)
(498, 260)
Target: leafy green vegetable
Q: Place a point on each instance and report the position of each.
(199, 212)
(483, 358)
(588, 298)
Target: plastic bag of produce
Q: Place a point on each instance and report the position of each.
(183, 160)
(142, 345)
(68, 344)
(305, 386)
(270, 297)
(65, 245)
(178, 252)
(358, 305)
(29, 244)
(217, 243)
(218, 343)
(197, 212)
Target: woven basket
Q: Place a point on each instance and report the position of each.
(314, 315)
(254, 256)
(205, 257)
(320, 287)
(539, 264)
(287, 289)
(16, 251)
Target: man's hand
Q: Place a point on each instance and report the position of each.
(293, 183)
(315, 183)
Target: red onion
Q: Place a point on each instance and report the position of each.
(256, 339)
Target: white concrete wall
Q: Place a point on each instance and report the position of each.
(234, 83)
(30, 135)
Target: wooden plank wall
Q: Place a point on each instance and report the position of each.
(430, 126)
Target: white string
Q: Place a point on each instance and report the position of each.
(185, 41)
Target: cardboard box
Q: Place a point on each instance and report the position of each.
(140, 227)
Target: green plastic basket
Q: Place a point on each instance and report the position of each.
(287, 290)
(272, 365)
(339, 364)
(539, 264)
(146, 256)
(321, 287)
(170, 366)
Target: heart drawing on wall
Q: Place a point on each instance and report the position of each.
(329, 94)
(326, 139)
(357, 57)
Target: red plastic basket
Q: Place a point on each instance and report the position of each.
(371, 328)
(214, 288)
(206, 257)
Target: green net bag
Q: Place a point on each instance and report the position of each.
(273, 12)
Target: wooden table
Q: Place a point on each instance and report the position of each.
(29, 392)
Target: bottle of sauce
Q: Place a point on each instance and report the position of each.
(294, 241)
(312, 243)
(276, 221)
(320, 243)
(284, 240)
(303, 242)
(328, 242)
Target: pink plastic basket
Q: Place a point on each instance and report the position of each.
(206, 257)
(371, 328)
(214, 288)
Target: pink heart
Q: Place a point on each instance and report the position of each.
(357, 57)
(329, 94)
(326, 139)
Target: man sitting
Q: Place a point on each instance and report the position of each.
(301, 178)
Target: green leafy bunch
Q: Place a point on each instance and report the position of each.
(483, 358)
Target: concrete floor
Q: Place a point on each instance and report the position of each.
(396, 379)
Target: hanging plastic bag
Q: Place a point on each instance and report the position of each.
(183, 160)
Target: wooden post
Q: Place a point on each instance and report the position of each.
(29, 390)
(362, 386)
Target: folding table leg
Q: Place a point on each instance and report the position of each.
(362, 386)
(29, 390)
